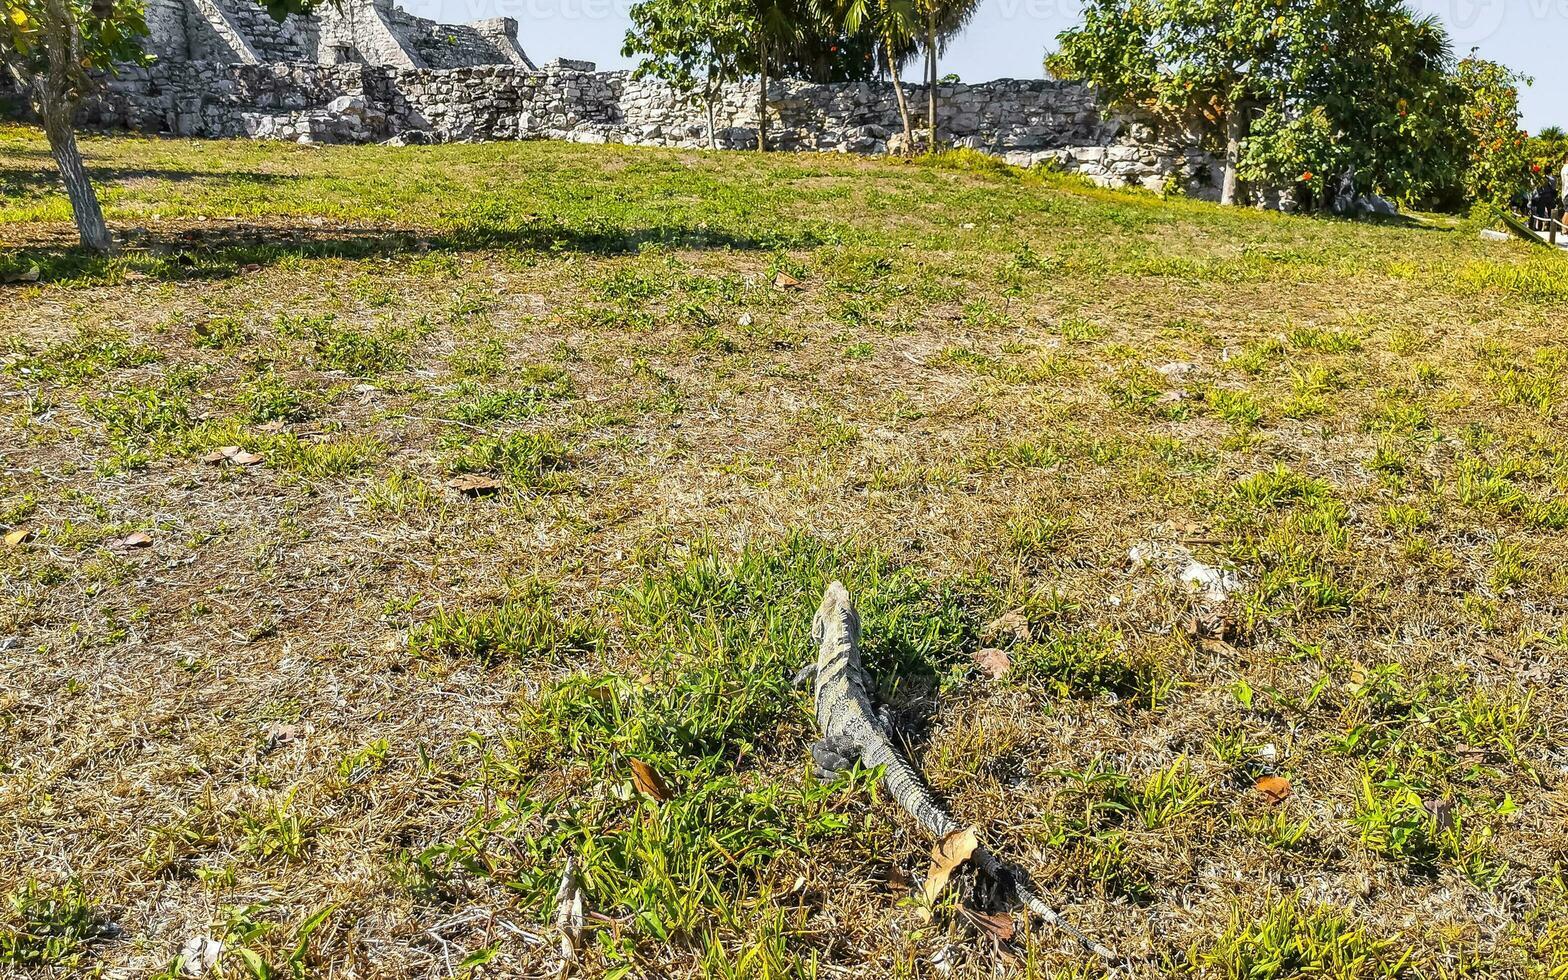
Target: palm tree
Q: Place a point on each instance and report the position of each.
(777, 24)
(897, 24)
(943, 20)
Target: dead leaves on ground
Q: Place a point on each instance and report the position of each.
(474, 485)
(1275, 789)
(1013, 623)
(649, 783)
(569, 917)
(236, 455)
(1000, 926)
(992, 662)
(947, 854)
(17, 537)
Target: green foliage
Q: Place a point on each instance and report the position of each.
(526, 627)
(695, 45)
(1195, 60)
(47, 928)
(1498, 166)
(1323, 87)
(1288, 940)
(103, 33)
(360, 355)
(532, 459)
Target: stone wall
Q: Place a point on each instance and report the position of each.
(1025, 122)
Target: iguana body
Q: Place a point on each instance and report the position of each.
(852, 730)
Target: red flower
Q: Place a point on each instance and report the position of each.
(1307, 175)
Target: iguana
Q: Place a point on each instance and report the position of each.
(852, 730)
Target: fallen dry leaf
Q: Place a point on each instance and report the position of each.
(1275, 788)
(1470, 754)
(649, 783)
(1012, 623)
(569, 917)
(18, 537)
(946, 855)
(1000, 926)
(992, 662)
(898, 882)
(138, 539)
(232, 454)
(1442, 812)
(474, 485)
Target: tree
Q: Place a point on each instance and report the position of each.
(1214, 60)
(704, 44)
(1369, 91)
(57, 51)
(1498, 165)
(942, 20)
(1300, 92)
(694, 45)
(51, 48)
(775, 24)
(896, 23)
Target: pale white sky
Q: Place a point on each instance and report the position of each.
(1009, 38)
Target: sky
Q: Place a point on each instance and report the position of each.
(1009, 38)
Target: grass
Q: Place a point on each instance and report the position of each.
(345, 718)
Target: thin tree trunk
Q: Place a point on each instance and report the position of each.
(931, 82)
(903, 106)
(84, 200)
(762, 99)
(57, 110)
(1235, 130)
(711, 92)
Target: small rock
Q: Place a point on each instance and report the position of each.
(199, 955)
(1217, 584)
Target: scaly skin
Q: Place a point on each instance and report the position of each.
(852, 730)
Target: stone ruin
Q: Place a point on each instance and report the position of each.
(366, 71)
(359, 32)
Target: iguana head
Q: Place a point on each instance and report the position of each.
(836, 612)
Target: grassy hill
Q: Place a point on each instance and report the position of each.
(273, 679)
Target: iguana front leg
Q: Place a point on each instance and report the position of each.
(832, 756)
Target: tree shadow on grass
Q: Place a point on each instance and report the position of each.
(218, 250)
(18, 179)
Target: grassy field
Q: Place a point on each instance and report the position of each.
(274, 680)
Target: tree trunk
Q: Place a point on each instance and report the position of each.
(56, 114)
(762, 98)
(56, 105)
(931, 83)
(1235, 130)
(711, 92)
(903, 106)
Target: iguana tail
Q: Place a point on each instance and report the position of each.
(910, 791)
(997, 871)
